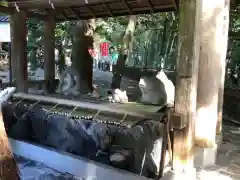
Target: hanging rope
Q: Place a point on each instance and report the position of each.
(30, 108)
(17, 8)
(51, 4)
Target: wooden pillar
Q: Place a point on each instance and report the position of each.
(186, 85)
(223, 44)
(19, 50)
(49, 55)
(211, 70)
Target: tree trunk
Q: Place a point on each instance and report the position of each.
(213, 50)
(171, 61)
(168, 44)
(127, 39)
(163, 42)
(82, 61)
(33, 59)
(130, 59)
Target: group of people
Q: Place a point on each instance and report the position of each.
(107, 63)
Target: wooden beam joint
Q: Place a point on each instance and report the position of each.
(11, 10)
(75, 12)
(6, 10)
(150, 5)
(127, 6)
(107, 8)
(64, 15)
(177, 121)
(175, 4)
(91, 11)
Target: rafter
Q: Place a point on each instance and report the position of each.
(127, 6)
(10, 11)
(75, 12)
(91, 11)
(36, 15)
(107, 8)
(64, 15)
(6, 10)
(150, 5)
(175, 4)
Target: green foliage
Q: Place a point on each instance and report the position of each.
(111, 29)
(3, 3)
(34, 45)
(233, 54)
(155, 39)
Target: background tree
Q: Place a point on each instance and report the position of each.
(81, 59)
(154, 42)
(126, 44)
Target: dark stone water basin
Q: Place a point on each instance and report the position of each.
(140, 145)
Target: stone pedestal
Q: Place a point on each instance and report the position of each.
(188, 175)
(205, 157)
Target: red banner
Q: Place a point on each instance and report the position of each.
(104, 48)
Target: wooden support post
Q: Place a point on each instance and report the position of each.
(211, 69)
(49, 55)
(186, 85)
(223, 42)
(19, 50)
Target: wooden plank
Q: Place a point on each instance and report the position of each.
(186, 84)
(68, 163)
(121, 109)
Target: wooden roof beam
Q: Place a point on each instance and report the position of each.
(64, 16)
(75, 12)
(6, 10)
(107, 8)
(36, 15)
(10, 11)
(175, 4)
(127, 6)
(150, 5)
(91, 11)
(141, 10)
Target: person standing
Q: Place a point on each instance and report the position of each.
(114, 58)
